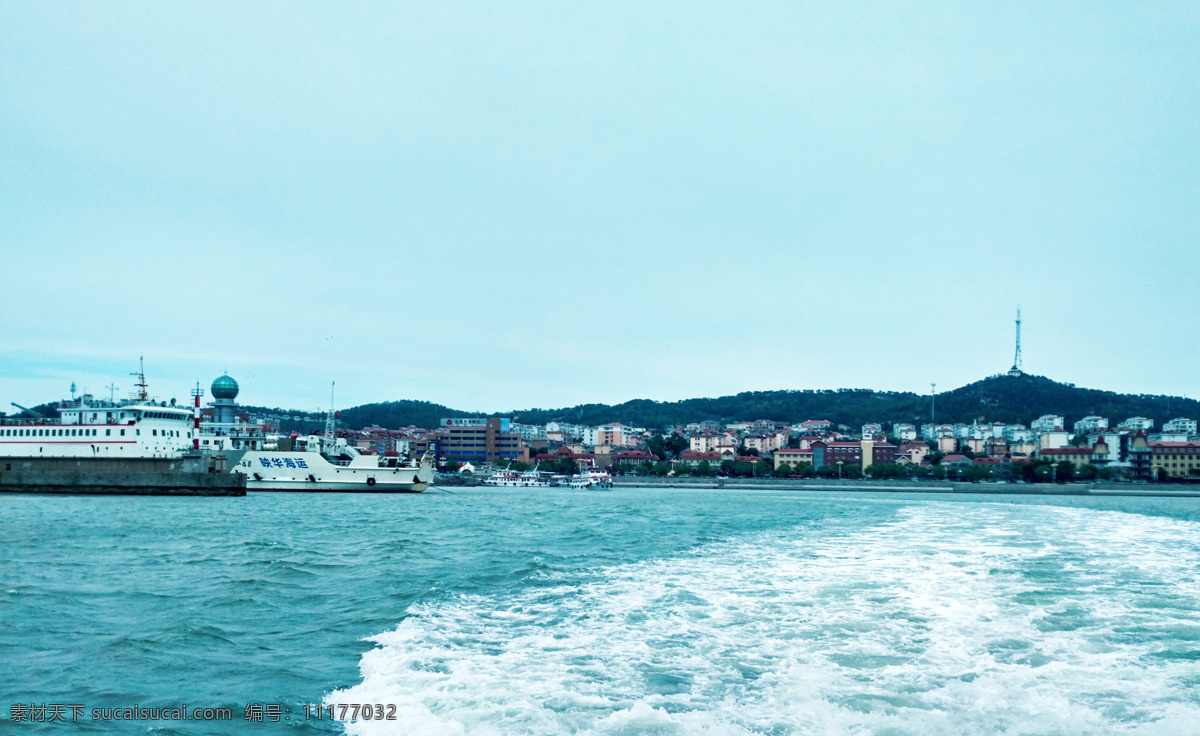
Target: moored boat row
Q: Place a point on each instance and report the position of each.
(590, 478)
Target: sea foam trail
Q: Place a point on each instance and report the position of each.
(952, 619)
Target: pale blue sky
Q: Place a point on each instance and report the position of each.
(505, 205)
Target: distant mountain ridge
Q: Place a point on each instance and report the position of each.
(1003, 398)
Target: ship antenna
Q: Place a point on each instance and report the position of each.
(329, 416)
(141, 382)
(112, 389)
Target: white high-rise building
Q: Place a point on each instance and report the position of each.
(1089, 425)
(1135, 423)
(1047, 423)
(1180, 426)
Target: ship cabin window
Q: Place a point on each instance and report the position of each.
(154, 432)
(122, 433)
(108, 433)
(139, 433)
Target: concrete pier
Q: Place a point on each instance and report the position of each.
(191, 475)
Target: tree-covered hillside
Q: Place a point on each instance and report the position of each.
(1009, 399)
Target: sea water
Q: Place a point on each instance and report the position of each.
(633, 611)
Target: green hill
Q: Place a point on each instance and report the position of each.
(1009, 399)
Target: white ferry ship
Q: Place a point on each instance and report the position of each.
(90, 428)
(336, 468)
(312, 463)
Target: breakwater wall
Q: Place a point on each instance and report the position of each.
(193, 475)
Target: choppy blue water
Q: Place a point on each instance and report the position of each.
(635, 611)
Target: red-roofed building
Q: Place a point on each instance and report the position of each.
(692, 459)
(916, 451)
(582, 460)
(1077, 456)
(1175, 459)
(807, 440)
(816, 426)
(634, 458)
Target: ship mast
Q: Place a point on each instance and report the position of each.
(329, 417)
(141, 382)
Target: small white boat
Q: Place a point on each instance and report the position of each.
(591, 479)
(513, 479)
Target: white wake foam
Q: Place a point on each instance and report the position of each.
(953, 619)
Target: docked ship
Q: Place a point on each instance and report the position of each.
(135, 446)
(87, 427)
(330, 468)
(311, 463)
(139, 428)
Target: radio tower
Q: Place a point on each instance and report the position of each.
(1016, 369)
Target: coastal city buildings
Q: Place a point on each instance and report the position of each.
(1125, 449)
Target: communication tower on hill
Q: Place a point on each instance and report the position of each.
(1016, 367)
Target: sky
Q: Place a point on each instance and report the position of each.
(500, 205)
